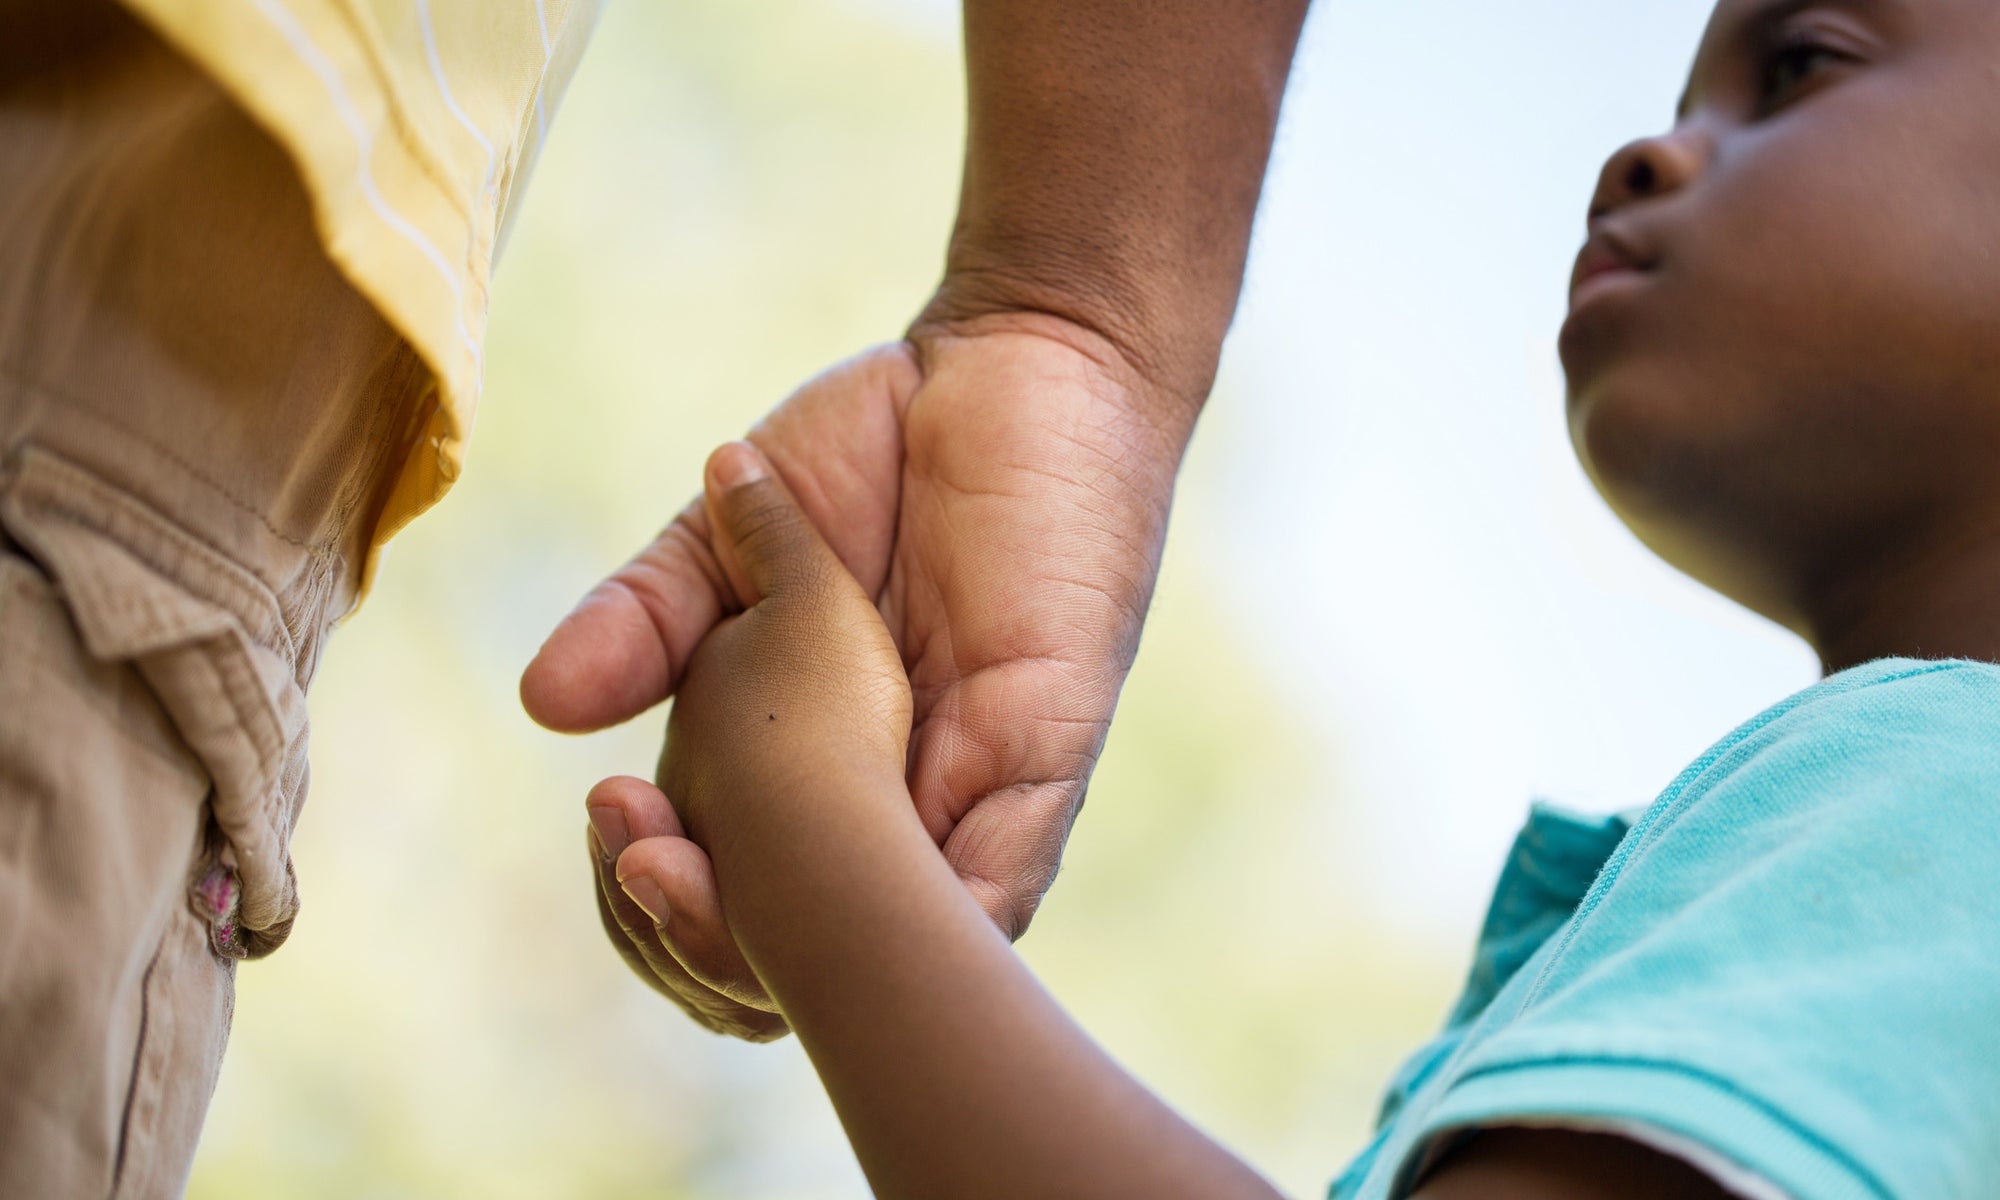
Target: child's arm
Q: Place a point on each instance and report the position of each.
(952, 1071)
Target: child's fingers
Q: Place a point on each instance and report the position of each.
(625, 808)
(637, 941)
(640, 951)
(674, 876)
(673, 898)
(763, 539)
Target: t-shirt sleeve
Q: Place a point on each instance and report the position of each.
(1793, 961)
(1548, 870)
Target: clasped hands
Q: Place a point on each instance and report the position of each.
(923, 578)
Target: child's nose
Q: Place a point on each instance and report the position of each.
(1648, 168)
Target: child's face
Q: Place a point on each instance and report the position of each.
(1788, 378)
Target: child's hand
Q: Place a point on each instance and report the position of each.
(794, 712)
(785, 756)
(802, 696)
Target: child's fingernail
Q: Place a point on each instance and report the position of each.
(647, 895)
(612, 836)
(736, 464)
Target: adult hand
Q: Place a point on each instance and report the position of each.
(1001, 487)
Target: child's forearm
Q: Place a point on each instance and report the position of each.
(953, 1072)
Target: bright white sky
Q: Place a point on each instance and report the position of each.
(1441, 583)
(1451, 606)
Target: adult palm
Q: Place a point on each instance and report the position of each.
(1002, 488)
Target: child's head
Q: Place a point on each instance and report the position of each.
(1793, 393)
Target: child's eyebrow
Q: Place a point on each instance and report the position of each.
(1755, 29)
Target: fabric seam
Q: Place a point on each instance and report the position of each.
(79, 404)
(62, 507)
(1706, 1079)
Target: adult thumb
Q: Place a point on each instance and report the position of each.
(762, 538)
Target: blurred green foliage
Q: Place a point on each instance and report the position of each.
(736, 195)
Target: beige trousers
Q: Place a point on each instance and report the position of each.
(198, 422)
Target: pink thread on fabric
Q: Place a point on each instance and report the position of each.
(218, 892)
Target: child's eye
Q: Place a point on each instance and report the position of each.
(1791, 66)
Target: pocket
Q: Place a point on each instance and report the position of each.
(103, 807)
(210, 641)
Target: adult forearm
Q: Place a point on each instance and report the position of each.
(1115, 153)
(953, 1072)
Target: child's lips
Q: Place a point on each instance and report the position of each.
(1609, 267)
(1603, 282)
(1607, 263)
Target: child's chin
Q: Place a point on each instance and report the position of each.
(1626, 431)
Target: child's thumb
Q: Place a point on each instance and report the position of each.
(762, 538)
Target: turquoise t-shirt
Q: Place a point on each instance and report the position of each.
(1790, 961)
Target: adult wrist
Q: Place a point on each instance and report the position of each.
(1161, 360)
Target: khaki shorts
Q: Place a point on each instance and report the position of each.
(198, 422)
